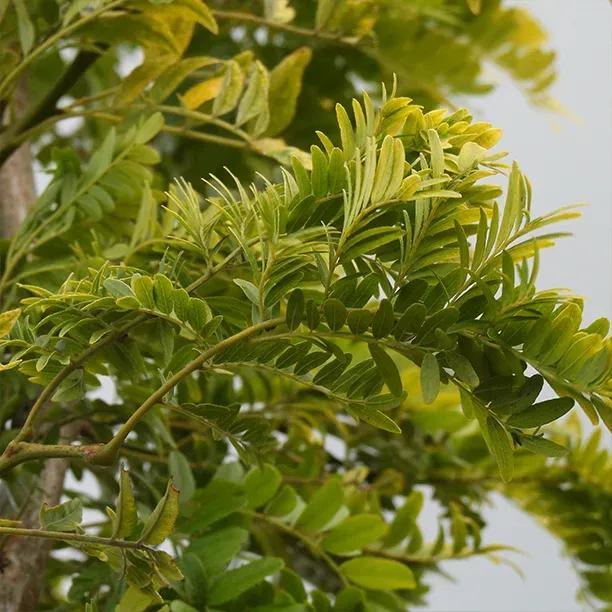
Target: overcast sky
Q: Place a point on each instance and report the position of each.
(568, 161)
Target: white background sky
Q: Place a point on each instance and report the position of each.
(568, 161)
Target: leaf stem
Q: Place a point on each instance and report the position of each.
(70, 537)
(283, 27)
(106, 454)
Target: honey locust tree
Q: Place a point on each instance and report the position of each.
(306, 352)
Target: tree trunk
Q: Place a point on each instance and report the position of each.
(16, 176)
(24, 559)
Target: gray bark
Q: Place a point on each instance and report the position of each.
(16, 176)
(25, 558)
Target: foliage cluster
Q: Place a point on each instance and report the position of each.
(312, 348)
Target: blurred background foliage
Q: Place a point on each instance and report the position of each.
(440, 50)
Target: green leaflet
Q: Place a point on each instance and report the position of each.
(430, 378)
(284, 502)
(604, 410)
(387, 368)
(389, 170)
(295, 309)
(255, 99)
(117, 288)
(501, 447)
(163, 293)
(63, 517)
(278, 11)
(181, 606)
(335, 313)
(475, 6)
(160, 523)
(411, 321)
(541, 413)
(149, 128)
(437, 154)
(8, 320)
(359, 320)
(142, 286)
(378, 574)
(320, 171)
(261, 484)
(220, 498)
(126, 515)
(284, 89)
(347, 136)
(542, 446)
(512, 208)
(135, 599)
(231, 89)
(405, 519)
(354, 533)
(216, 549)
(201, 13)
(463, 368)
(27, 33)
(458, 529)
(249, 289)
(71, 388)
(373, 416)
(173, 76)
(384, 320)
(322, 506)
(180, 473)
(195, 585)
(368, 241)
(235, 582)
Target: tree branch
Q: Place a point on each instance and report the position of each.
(284, 27)
(47, 106)
(106, 455)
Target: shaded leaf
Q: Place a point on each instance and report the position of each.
(160, 523)
(541, 413)
(387, 368)
(180, 472)
(501, 447)
(261, 484)
(430, 378)
(126, 517)
(235, 582)
(63, 517)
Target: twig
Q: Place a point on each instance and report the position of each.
(71, 537)
(106, 455)
(284, 27)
